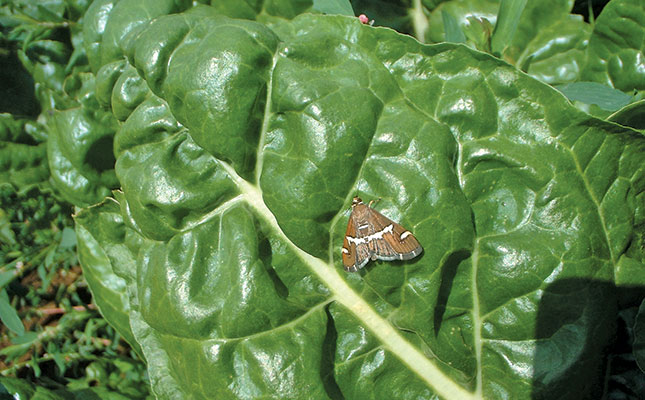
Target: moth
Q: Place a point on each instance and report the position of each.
(371, 235)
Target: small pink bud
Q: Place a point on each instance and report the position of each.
(363, 18)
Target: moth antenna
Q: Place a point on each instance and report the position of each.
(373, 202)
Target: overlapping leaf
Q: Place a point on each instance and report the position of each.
(549, 43)
(237, 170)
(617, 47)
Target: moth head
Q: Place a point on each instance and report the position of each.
(357, 200)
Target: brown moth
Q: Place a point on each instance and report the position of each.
(371, 235)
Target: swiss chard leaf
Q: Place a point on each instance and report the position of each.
(102, 244)
(616, 47)
(237, 172)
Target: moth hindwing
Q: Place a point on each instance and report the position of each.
(371, 235)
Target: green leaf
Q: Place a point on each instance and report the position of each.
(59, 360)
(9, 316)
(630, 272)
(27, 338)
(616, 48)
(14, 386)
(541, 38)
(631, 115)
(508, 19)
(7, 236)
(557, 53)
(79, 152)
(237, 172)
(463, 13)
(6, 277)
(539, 20)
(41, 10)
(339, 7)
(605, 97)
(454, 34)
(68, 239)
(478, 31)
(102, 250)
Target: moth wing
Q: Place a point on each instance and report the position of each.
(378, 247)
(403, 242)
(395, 243)
(348, 251)
(355, 255)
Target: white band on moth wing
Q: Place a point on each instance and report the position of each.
(368, 238)
(405, 234)
(345, 251)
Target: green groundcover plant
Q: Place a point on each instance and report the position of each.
(213, 151)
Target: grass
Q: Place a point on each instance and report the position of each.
(59, 340)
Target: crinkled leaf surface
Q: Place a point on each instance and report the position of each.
(538, 20)
(77, 157)
(617, 46)
(558, 52)
(78, 153)
(549, 43)
(237, 171)
(102, 244)
(79, 150)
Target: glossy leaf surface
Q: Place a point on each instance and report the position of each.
(617, 48)
(102, 244)
(544, 40)
(237, 171)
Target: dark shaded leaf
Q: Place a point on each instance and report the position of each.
(631, 115)
(639, 337)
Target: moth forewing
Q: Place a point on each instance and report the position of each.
(396, 243)
(382, 227)
(403, 242)
(349, 250)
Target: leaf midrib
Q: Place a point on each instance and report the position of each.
(346, 296)
(341, 291)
